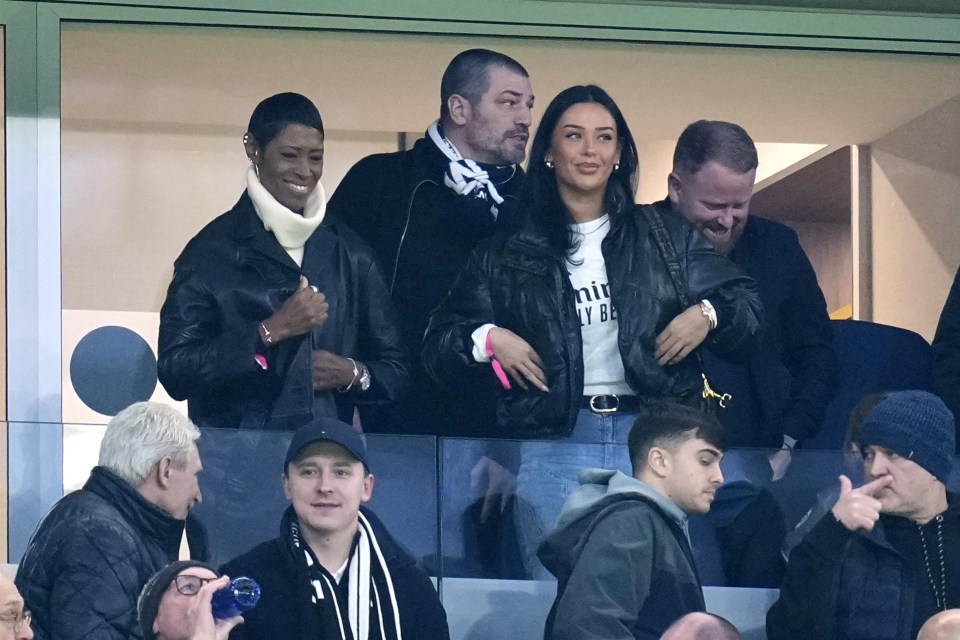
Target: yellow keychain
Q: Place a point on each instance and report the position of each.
(708, 392)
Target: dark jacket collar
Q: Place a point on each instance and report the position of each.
(146, 517)
(393, 553)
(249, 232)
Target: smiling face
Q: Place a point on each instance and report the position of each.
(171, 622)
(914, 492)
(584, 149)
(327, 485)
(497, 126)
(716, 199)
(692, 474)
(290, 165)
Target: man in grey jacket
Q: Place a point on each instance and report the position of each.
(621, 549)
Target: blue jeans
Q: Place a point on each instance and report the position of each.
(548, 474)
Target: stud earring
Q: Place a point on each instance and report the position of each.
(246, 138)
(616, 167)
(549, 164)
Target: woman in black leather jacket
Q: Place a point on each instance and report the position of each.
(578, 310)
(276, 315)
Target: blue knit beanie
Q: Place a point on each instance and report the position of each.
(916, 425)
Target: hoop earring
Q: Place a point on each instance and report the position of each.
(256, 170)
(549, 163)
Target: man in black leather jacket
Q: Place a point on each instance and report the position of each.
(91, 555)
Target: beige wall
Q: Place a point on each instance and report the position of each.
(916, 219)
(828, 245)
(151, 148)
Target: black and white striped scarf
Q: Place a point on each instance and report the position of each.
(468, 177)
(371, 607)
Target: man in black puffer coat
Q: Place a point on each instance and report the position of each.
(93, 552)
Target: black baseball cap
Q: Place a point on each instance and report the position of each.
(328, 430)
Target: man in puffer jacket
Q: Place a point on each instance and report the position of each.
(93, 552)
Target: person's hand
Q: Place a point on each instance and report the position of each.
(518, 359)
(501, 485)
(331, 371)
(681, 336)
(779, 462)
(201, 624)
(305, 310)
(859, 508)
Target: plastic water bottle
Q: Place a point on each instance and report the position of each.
(241, 595)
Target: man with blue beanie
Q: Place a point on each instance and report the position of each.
(887, 556)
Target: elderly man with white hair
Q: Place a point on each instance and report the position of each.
(93, 552)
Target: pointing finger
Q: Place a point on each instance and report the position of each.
(873, 489)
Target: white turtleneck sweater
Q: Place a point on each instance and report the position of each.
(290, 229)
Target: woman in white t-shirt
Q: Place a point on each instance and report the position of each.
(577, 313)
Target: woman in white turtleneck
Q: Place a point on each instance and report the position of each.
(275, 315)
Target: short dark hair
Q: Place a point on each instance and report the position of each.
(468, 75)
(666, 424)
(540, 200)
(706, 141)
(275, 113)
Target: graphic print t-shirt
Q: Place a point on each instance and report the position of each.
(602, 365)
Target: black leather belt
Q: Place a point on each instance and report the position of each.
(613, 404)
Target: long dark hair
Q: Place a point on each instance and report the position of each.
(540, 202)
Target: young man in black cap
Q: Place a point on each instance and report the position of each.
(887, 556)
(334, 573)
(175, 604)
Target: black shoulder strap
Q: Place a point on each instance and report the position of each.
(669, 255)
(667, 252)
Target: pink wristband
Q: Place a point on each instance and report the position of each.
(497, 369)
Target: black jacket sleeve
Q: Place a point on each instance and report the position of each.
(946, 352)
(807, 340)
(380, 345)
(194, 352)
(448, 343)
(807, 606)
(712, 276)
(94, 595)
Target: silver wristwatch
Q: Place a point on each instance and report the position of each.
(365, 379)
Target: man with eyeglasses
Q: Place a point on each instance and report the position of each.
(14, 619)
(175, 604)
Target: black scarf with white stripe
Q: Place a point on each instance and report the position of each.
(363, 605)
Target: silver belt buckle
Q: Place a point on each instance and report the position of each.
(612, 409)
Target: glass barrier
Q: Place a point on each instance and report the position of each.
(474, 512)
(243, 498)
(499, 499)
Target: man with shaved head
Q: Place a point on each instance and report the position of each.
(943, 626)
(700, 625)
